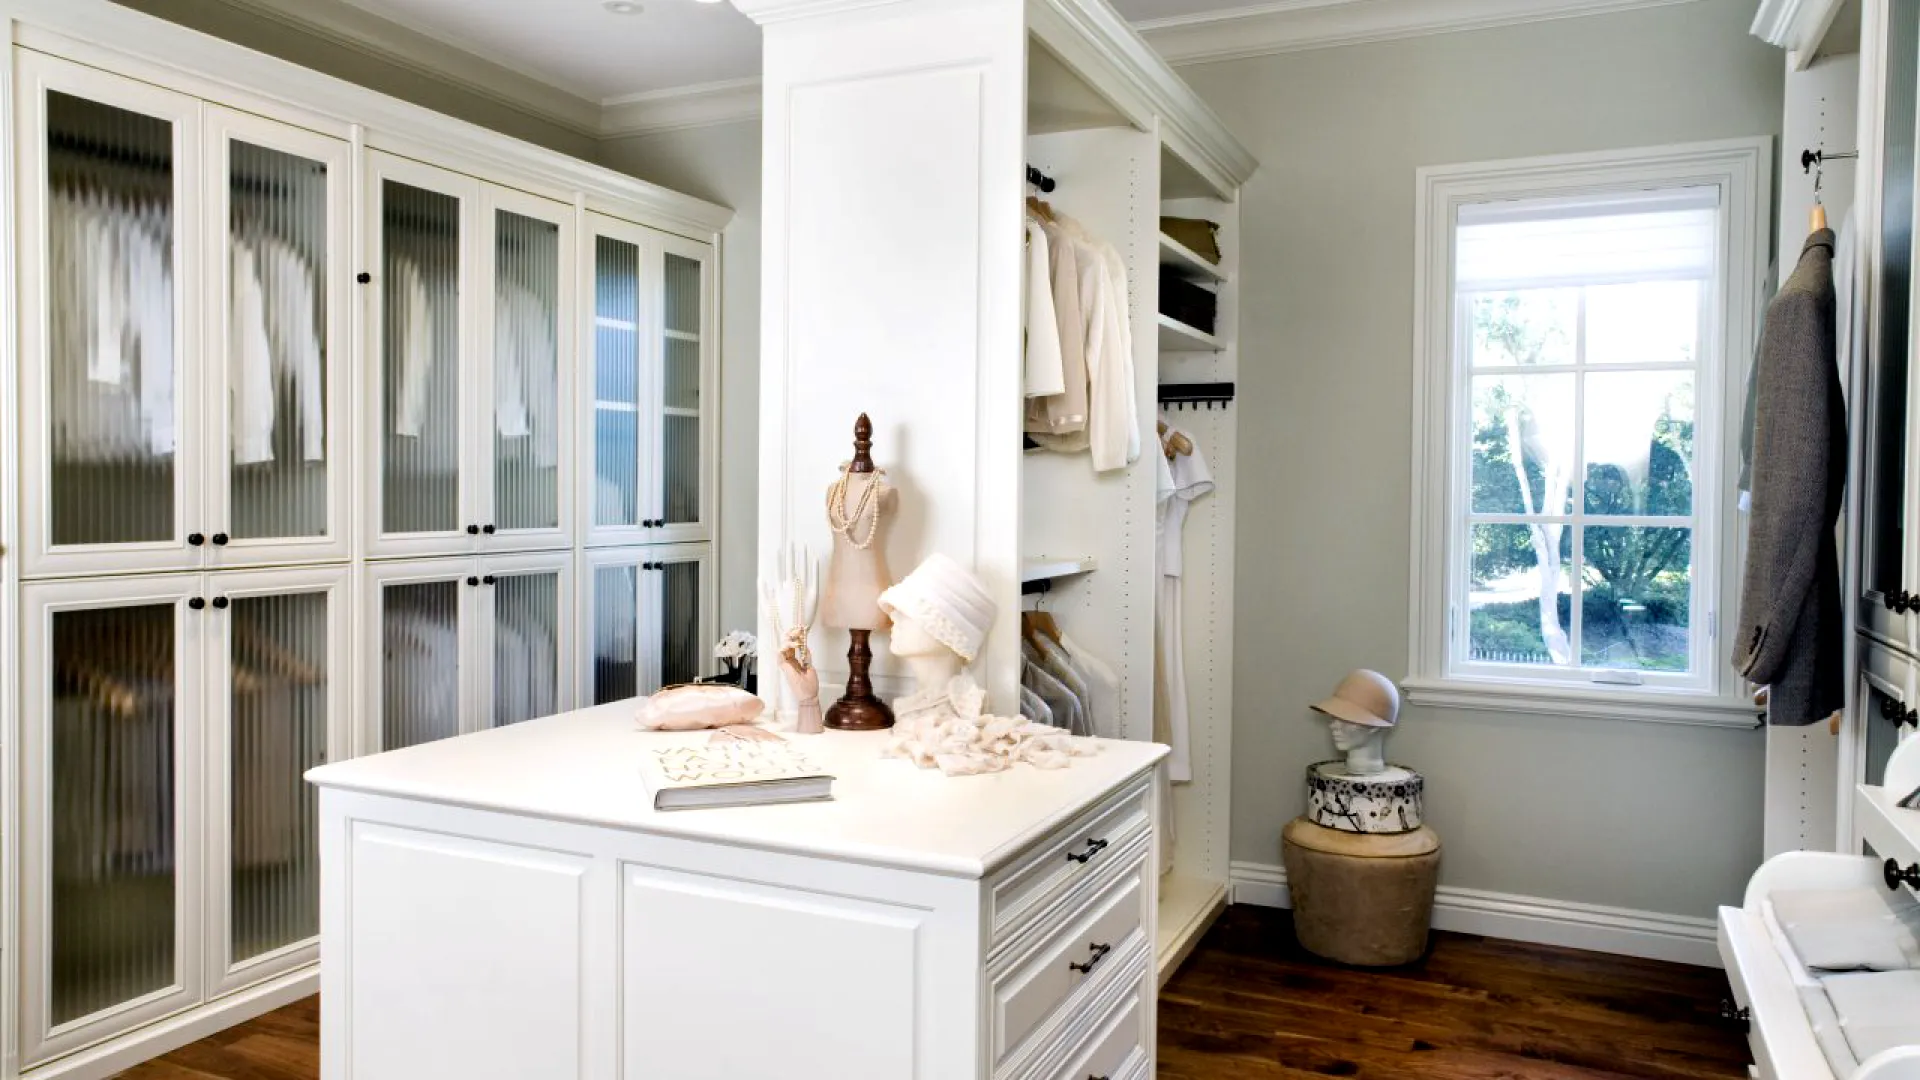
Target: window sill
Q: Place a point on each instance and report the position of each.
(1653, 707)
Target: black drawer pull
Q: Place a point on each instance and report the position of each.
(1897, 877)
(1094, 847)
(1099, 953)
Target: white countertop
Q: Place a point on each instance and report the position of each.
(584, 767)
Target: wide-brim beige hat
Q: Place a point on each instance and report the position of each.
(1364, 697)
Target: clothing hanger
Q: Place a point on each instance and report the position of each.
(1174, 442)
(1040, 209)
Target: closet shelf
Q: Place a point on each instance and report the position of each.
(680, 410)
(682, 335)
(1188, 907)
(616, 406)
(608, 322)
(1187, 262)
(1178, 337)
(1047, 568)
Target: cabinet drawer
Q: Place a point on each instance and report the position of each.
(1064, 969)
(1071, 854)
(1118, 1046)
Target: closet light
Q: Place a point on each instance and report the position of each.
(623, 7)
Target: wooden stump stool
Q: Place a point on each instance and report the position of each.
(1361, 898)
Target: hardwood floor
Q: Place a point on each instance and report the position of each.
(1250, 1005)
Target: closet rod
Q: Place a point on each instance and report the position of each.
(1180, 395)
(1040, 180)
(1811, 158)
(1032, 588)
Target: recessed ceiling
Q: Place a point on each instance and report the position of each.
(582, 48)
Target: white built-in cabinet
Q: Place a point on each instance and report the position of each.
(335, 449)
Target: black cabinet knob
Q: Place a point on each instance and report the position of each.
(488, 580)
(221, 602)
(1897, 877)
(473, 530)
(197, 602)
(196, 539)
(220, 539)
(473, 581)
(363, 277)
(488, 529)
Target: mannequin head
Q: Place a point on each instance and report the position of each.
(1363, 708)
(941, 614)
(930, 662)
(1364, 746)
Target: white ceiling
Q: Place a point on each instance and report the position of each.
(580, 47)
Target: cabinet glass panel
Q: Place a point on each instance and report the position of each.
(526, 647)
(616, 630)
(279, 671)
(112, 835)
(420, 479)
(681, 304)
(420, 666)
(676, 617)
(616, 382)
(113, 378)
(526, 372)
(1891, 361)
(277, 343)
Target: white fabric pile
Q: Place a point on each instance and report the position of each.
(946, 728)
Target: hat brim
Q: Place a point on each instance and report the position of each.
(1342, 709)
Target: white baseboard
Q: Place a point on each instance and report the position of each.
(1625, 931)
(110, 1058)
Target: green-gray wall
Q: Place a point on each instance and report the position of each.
(1611, 812)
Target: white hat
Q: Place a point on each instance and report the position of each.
(947, 601)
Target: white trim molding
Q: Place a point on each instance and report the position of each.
(681, 107)
(1293, 25)
(1741, 171)
(1798, 26)
(1654, 935)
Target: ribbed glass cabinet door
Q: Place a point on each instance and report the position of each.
(418, 651)
(279, 638)
(422, 224)
(679, 442)
(1888, 579)
(532, 263)
(528, 637)
(279, 325)
(111, 709)
(619, 351)
(108, 206)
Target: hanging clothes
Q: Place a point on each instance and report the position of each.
(1045, 376)
(526, 372)
(413, 334)
(1180, 481)
(1034, 709)
(1103, 689)
(1107, 427)
(1064, 414)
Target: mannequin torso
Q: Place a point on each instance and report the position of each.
(857, 570)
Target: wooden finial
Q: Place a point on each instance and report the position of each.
(862, 445)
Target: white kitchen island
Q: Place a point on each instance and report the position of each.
(507, 905)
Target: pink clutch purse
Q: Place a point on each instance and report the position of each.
(697, 707)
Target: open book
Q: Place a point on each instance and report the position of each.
(731, 774)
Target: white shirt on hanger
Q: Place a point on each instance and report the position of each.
(1045, 374)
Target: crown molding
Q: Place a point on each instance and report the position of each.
(1294, 25)
(430, 57)
(1798, 26)
(680, 107)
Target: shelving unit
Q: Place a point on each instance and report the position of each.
(1178, 337)
(1188, 262)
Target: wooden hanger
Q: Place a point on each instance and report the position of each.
(1174, 442)
(1040, 209)
(1817, 219)
(1034, 623)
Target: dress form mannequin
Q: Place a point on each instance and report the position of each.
(860, 507)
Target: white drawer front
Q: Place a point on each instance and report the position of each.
(1071, 854)
(1066, 967)
(1118, 1047)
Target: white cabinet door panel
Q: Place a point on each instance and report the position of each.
(423, 1001)
(839, 957)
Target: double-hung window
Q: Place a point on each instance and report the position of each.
(1586, 330)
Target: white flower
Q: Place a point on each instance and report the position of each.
(737, 645)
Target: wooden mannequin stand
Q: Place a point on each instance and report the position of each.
(858, 709)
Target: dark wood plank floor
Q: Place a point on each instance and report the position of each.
(1250, 1005)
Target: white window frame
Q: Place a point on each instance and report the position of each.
(1741, 171)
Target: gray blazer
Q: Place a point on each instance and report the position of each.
(1790, 637)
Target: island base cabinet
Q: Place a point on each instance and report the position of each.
(486, 943)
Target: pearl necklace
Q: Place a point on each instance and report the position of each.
(840, 520)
